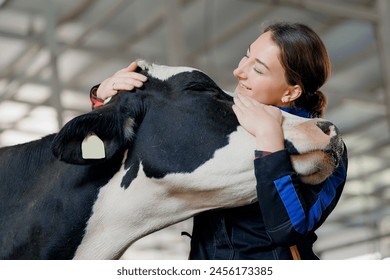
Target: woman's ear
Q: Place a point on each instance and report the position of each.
(295, 92)
(292, 94)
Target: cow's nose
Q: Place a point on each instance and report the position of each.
(326, 127)
(335, 148)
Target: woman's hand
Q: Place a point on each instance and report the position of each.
(262, 121)
(124, 79)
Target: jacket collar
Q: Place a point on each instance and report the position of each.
(296, 111)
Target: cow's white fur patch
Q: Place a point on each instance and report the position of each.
(163, 72)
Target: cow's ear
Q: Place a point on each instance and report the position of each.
(94, 137)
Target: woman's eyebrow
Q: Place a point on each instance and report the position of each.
(262, 63)
(258, 60)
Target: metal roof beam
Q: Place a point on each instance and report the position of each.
(228, 34)
(22, 77)
(383, 38)
(120, 51)
(340, 9)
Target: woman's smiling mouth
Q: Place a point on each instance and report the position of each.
(244, 86)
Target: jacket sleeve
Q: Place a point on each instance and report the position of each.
(95, 101)
(290, 209)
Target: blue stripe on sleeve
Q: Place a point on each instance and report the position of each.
(294, 207)
(291, 201)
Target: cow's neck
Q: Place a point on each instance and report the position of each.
(152, 204)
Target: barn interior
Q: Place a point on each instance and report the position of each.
(54, 51)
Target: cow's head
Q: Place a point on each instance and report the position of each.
(178, 120)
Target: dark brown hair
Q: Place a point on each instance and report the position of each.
(305, 61)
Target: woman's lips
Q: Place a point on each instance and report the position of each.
(244, 86)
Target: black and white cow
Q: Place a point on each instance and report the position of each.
(171, 150)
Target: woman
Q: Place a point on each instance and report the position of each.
(283, 69)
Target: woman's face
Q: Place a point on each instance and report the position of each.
(260, 74)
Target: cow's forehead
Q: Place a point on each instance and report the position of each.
(163, 72)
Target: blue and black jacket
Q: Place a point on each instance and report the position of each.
(287, 213)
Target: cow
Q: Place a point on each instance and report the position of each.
(166, 152)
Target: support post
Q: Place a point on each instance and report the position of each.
(383, 32)
(51, 43)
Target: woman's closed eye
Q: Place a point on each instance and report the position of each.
(257, 70)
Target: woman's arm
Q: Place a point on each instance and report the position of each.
(290, 208)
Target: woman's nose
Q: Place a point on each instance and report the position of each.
(240, 71)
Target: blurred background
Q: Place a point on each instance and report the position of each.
(53, 51)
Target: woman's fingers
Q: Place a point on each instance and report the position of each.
(132, 66)
(253, 115)
(240, 106)
(124, 79)
(128, 73)
(126, 82)
(244, 103)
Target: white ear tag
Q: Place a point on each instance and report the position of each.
(93, 147)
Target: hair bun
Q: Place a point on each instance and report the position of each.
(318, 101)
